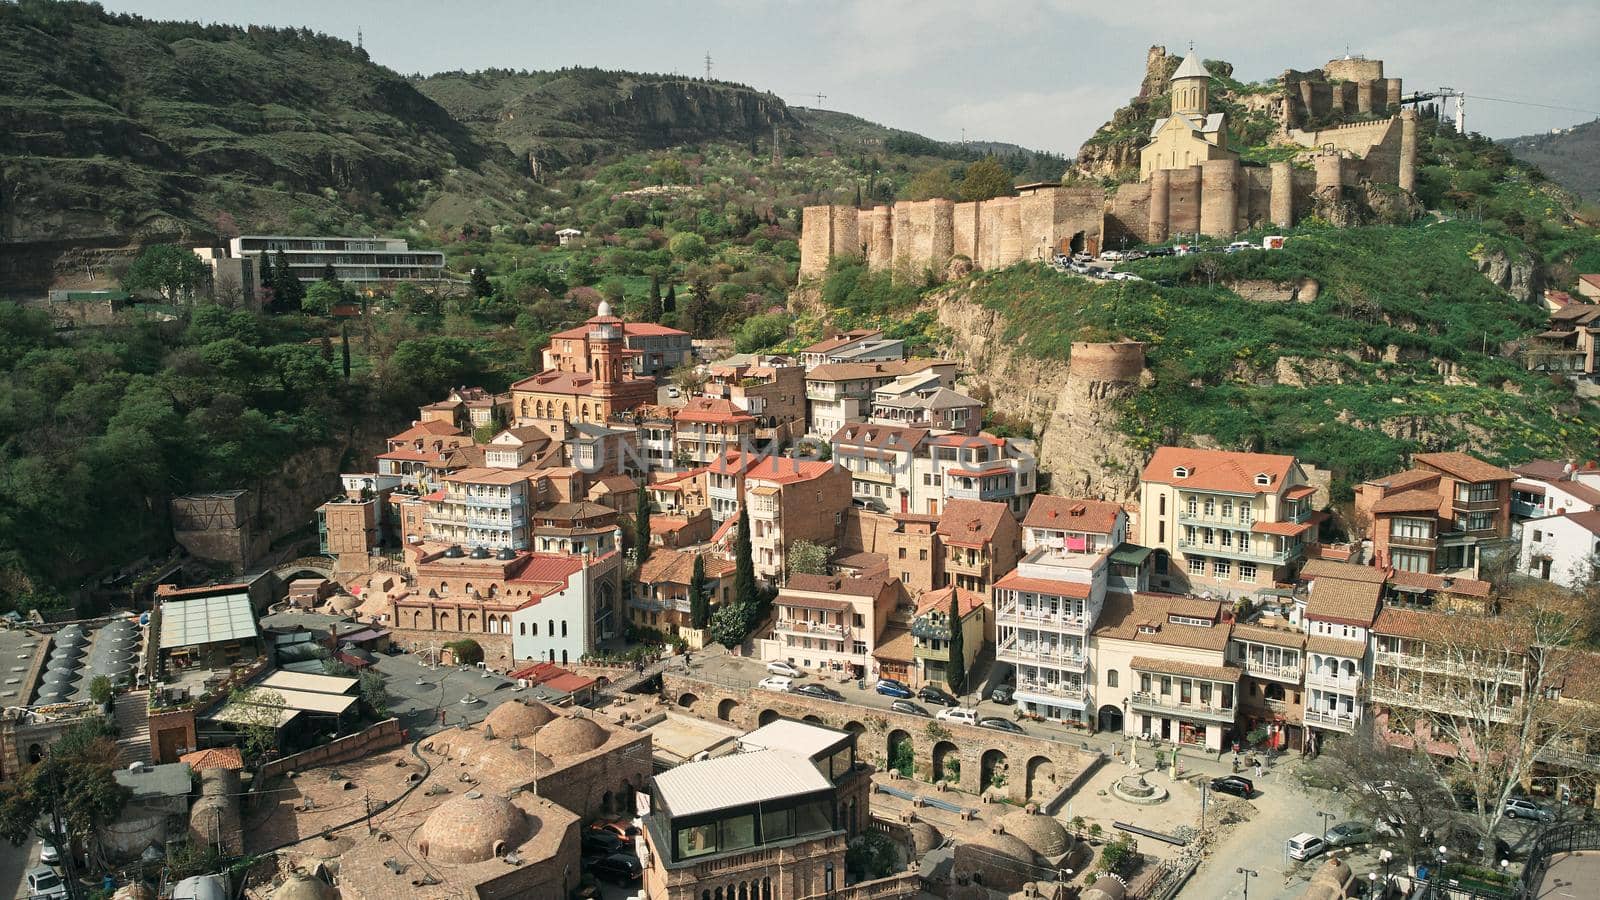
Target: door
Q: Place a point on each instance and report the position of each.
(1166, 729)
(905, 502)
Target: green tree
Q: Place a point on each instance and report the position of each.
(688, 246)
(255, 714)
(746, 592)
(699, 597)
(807, 558)
(72, 791)
(374, 695)
(930, 184)
(656, 308)
(321, 298)
(760, 332)
(955, 674)
(166, 269)
(986, 179)
(641, 525)
(267, 278)
(100, 689)
(287, 291)
(481, 287)
(669, 303)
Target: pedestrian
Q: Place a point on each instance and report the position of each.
(1258, 770)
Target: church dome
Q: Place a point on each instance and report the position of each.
(471, 828)
(569, 735)
(517, 719)
(1044, 834)
(300, 886)
(604, 311)
(1191, 67)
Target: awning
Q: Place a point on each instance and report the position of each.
(1048, 700)
(1130, 554)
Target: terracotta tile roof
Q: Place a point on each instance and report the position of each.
(1559, 298)
(214, 758)
(982, 438)
(1333, 646)
(1464, 466)
(1277, 637)
(1011, 581)
(1409, 623)
(1421, 500)
(1300, 490)
(939, 600)
(858, 435)
(863, 561)
(554, 382)
(1323, 568)
(1344, 602)
(677, 567)
(1193, 607)
(1190, 669)
(862, 371)
(895, 643)
(629, 329)
(549, 569)
(1123, 614)
(864, 585)
(787, 599)
(1406, 479)
(1467, 587)
(1593, 280)
(1287, 529)
(710, 410)
(842, 340)
(972, 522)
(431, 428)
(488, 476)
(1218, 470)
(1589, 521)
(1068, 514)
(787, 470)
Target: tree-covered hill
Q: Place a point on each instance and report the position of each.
(1570, 156)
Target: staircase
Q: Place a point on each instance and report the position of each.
(132, 711)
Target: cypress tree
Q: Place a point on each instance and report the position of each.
(699, 600)
(344, 337)
(656, 309)
(641, 525)
(744, 572)
(670, 304)
(955, 674)
(265, 278)
(287, 289)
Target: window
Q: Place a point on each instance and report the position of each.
(923, 553)
(1161, 505)
(1185, 691)
(1192, 506)
(1225, 537)
(1227, 508)
(1180, 472)
(535, 629)
(1263, 479)
(1247, 572)
(1222, 568)
(902, 553)
(1111, 678)
(563, 627)
(697, 840)
(1211, 507)
(1205, 693)
(1166, 685)
(1161, 532)
(1197, 565)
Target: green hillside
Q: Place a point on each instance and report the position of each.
(1571, 157)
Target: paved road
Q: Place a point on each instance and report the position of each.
(1286, 808)
(14, 861)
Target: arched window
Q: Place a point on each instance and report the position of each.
(1111, 678)
(563, 627)
(563, 657)
(550, 625)
(523, 630)
(535, 629)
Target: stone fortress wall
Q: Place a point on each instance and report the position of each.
(1217, 198)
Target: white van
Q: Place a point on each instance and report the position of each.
(959, 715)
(1305, 846)
(777, 683)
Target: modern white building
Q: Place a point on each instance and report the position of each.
(1564, 548)
(559, 624)
(975, 467)
(358, 260)
(1550, 488)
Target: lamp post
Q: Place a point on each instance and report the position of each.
(1247, 873)
(1326, 816)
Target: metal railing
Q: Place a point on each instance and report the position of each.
(799, 626)
(1553, 841)
(1326, 719)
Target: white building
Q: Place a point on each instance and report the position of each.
(1547, 488)
(1047, 606)
(369, 259)
(1337, 614)
(1564, 549)
(975, 467)
(557, 625)
(1160, 669)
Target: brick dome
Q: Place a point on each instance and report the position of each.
(568, 735)
(517, 719)
(1007, 845)
(1046, 836)
(303, 887)
(471, 827)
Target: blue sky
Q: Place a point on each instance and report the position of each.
(1042, 73)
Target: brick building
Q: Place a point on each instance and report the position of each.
(1439, 515)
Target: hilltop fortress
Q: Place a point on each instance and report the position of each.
(1190, 180)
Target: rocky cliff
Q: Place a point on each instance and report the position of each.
(1073, 409)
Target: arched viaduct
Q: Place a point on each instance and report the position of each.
(1023, 768)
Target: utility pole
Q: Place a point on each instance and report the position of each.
(708, 65)
(358, 38)
(820, 97)
(777, 146)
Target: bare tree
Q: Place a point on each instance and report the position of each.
(1486, 701)
(1394, 786)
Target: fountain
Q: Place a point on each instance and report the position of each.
(1133, 788)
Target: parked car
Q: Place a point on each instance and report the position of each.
(673, 392)
(1522, 808)
(1306, 846)
(909, 708)
(937, 695)
(891, 688)
(618, 868)
(602, 843)
(622, 830)
(1161, 251)
(958, 714)
(1349, 834)
(49, 855)
(44, 883)
(779, 667)
(1111, 255)
(814, 689)
(780, 683)
(1237, 785)
(1002, 693)
(999, 724)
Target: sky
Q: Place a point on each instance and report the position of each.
(1041, 73)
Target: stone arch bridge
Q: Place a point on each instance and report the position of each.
(1022, 768)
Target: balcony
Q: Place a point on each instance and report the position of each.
(1448, 666)
(482, 500)
(1570, 759)
(1342, 684)
(1437, 701)
(1270, 670)
(1234, 522)
(1333, 721)
(1063, 689)
(1151, 702)
(1491, 503)
(1410, 540)
(813, 629)
(1058, 656)
(1016, 614)
(1262, 555)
